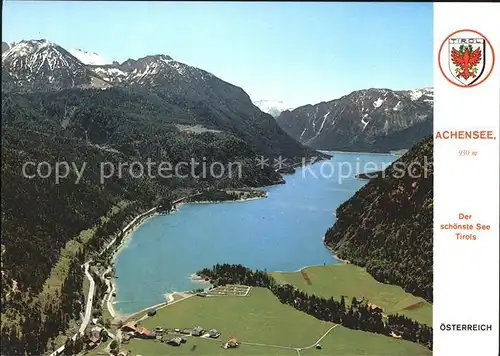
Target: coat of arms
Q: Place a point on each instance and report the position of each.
(466, 58)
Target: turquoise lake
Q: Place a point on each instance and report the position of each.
(282, 232)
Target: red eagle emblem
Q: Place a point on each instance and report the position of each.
(466, 61)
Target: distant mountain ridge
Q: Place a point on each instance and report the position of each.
(272, 107)
(377, 120)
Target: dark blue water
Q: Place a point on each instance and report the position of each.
(280, 233)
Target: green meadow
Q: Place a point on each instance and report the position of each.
(261, 319)
(352, 281)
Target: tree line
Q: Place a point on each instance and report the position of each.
(358, 315)
(41, 324)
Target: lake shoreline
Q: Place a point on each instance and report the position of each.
(334, 253)
(127, 234)
(295, 180)
(194, 277)
(366, 153)
(133, 227)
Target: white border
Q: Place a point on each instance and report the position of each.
(466, 273)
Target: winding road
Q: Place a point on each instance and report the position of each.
(88, 309)
(109, 293)
(298, 349)
(90, 298)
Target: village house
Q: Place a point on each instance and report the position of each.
(92, 342)
(130, 326)
(197, 331)
(96, 331)
(144, 333)
(159, 330)
(176, 341)
(124, 353)
(214, 333)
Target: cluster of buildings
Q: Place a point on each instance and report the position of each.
(132, 329)
(199, 331)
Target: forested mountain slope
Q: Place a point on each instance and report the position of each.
(388, 229)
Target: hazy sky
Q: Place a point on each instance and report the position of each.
(300, 53)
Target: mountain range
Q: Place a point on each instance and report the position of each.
(377, 120)
(183, 94)
(371, 120)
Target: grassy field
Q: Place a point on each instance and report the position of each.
(258, 318)
(352, 281)
(347, 342)
(261, 318)
(203, 348)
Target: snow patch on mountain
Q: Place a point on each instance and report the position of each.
(272, 107)
(416, 94)
(88, 58)
(363, 122)
(398, 106)
(379, 102)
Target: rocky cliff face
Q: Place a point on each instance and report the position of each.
(366, 120)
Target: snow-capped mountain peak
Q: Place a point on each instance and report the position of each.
(88, 58)
(272, 107)
(25, 48)
(42, 64)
